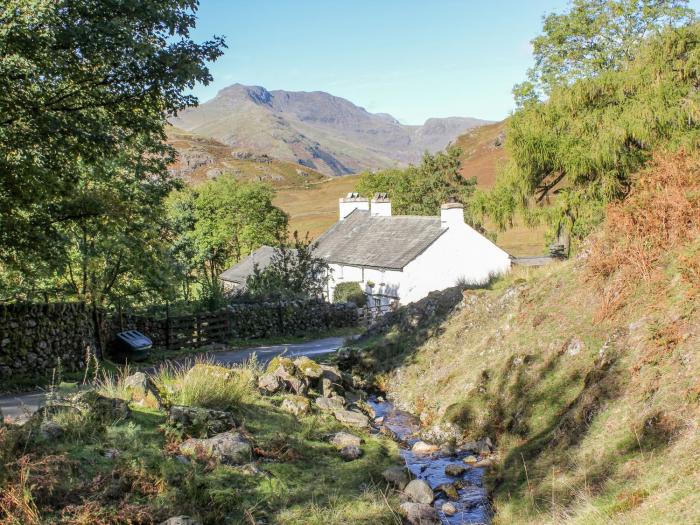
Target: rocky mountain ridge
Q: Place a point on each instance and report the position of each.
(316, 129)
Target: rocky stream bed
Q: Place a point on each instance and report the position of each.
(454, 474)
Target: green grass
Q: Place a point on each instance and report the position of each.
(124, 470)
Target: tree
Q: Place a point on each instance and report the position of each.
(85, 90)
(422, 189)
(577, 151)
(217, 223)
(294, 272)
(595, 36)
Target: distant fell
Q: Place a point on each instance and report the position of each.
(316, 129)
(483, 152)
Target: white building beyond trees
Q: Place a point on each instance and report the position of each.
(403, 258)
(399, 259)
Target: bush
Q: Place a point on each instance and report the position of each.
(349, 293)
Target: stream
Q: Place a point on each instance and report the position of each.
(473, 506)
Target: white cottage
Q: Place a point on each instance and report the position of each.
(400, 259)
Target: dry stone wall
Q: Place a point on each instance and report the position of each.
(34, 337)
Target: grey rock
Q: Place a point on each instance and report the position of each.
(331, 373)
(50, 430)
(201, 422)
(292, 383)
(139, 386)
(449, 509)
(228, 447)
(419, 491)
(455, 470)
(330, 403)
(350, 452)
(352, 418)
(308, 367)
(419, 514)
(270, 383)
(297, 405)
(449, 490)
(397, 476)
(343, 439)
(181, 520)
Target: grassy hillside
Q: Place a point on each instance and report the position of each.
(311, 198)
(201, 158)
(483, 152)
(585, 372)
(314, 208)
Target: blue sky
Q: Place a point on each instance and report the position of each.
(412, 58)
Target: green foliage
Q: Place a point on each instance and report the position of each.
(595, 36)
(216, 224)
(85, 90)
(585, 141)
(294, 272)
(422, 189)
(349, 292)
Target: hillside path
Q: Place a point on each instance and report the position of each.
(17, 405)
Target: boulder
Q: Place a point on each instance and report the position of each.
(330, 403)
(419, 491)
(449, 509)
(284, 362)
(200, 422)
(228, 447)
(397, 476)
(181, 520)
(455, 470)
(308, 368)
(327, 388)
(270, 383)
(50, 430)
(297, 405)
(291, 382)
(421, 447)
(139, 387)
(104, 409)
(350, 452)
(343, 439)
(331, 373)
(419, 514)
(449, 490)
(470, 460)
(364, 407)
(351, 417)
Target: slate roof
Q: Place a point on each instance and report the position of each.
(240, 272)
(378, 242)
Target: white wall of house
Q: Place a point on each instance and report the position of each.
(460, 253)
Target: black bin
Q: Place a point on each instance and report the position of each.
(131, 345)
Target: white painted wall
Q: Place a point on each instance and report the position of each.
(459, 253)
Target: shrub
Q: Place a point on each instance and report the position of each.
(349, 292)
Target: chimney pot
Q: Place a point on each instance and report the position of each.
(380, 206)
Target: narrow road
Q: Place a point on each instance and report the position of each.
(17, 405)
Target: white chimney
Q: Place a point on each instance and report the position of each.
(451, 214)
(380, 206)
(350, 203)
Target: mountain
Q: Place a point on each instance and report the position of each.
(200, 158)
(316, 129)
